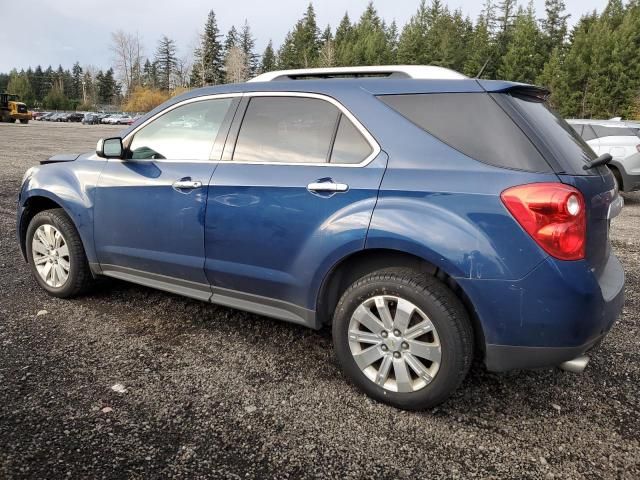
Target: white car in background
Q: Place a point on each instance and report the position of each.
(621, 139)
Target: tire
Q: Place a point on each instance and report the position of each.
(79, 278)
(24, 121)
(12, 120)
(452, 333)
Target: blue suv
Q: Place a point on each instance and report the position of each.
(429, 218)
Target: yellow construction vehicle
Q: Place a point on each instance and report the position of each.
(11, 109)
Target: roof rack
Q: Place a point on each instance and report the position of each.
(386, 71)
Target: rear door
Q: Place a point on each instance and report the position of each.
(150, 206)
(295, 191)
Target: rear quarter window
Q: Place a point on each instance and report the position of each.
(472, 123)
(602, 131)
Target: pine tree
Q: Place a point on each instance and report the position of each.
(370, 44)
(523, 60)
(480, 50)
(166, 61)
(554, 25)
(269, 60)
(392, 41)
(327, 51)
(413, 43)
(343, 42)
(248, 43)
(231, 40)
(301, 48)
(208, 59)
(76, 84)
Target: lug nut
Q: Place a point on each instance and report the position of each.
(405, 345)
(384, 334)
(396, 354)
(397, 333)
(384, 348)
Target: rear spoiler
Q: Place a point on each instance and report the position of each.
(499, 86)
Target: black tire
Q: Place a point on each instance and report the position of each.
(80, 278)
(445, 311)
(24, 121)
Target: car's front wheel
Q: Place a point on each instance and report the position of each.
(56, 255)
(403, 338)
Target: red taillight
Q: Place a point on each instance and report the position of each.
(553, 214)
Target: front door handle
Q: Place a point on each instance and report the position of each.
(327, 187)
(186, 184)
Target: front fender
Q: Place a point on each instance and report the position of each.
(72, 187)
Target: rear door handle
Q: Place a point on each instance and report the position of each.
(327, 187)
(186, 184)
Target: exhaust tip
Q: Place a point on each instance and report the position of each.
(577, 365)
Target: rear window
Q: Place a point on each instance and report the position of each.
(568, 149)
(472, 123)
(602, 131)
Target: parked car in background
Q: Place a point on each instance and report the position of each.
(45, 117)
(427, 220)
(621, 139)
(108, 118)
(124, 120)
(90, 119)
(38, 115)
(74, 117)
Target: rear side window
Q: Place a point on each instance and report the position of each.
(602, 131)
(472, 123)
(567, 147)
(286, 130)
(350, 146)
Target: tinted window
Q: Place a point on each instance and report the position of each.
(286, 130)
(350, 146)
(473, 124)
(566, 146)
(184, 133)
(613, 131)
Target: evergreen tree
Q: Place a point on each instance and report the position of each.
(370, 44)
(269, 60)
(392, 41)
(343, 42)
(232, 40)
(248, 43)
(106, 86)
(523, 59)
(166, 61)
(301, 48)
(554, 25)
(208, 68)
(76, 83)
(480, 50)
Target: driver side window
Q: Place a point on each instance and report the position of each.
(187, 132)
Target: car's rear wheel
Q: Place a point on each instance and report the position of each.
(56, 255)
(403, 337)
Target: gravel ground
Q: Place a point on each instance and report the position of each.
(211, 392)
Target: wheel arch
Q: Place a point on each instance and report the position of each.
(362, 262)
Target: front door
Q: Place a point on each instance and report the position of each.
(295, 195)
(150, 206)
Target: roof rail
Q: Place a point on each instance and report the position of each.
(388, 71)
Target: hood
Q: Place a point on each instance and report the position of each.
(63, 157)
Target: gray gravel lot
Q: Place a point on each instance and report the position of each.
(216, 393)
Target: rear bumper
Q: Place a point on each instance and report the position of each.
(501, 358)
(556, 313)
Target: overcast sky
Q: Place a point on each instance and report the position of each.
(62, 31)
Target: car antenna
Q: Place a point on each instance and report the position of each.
(484, 67)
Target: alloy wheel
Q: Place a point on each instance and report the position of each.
(394, 343)
(51, 255)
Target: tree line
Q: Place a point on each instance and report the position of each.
(592, 69)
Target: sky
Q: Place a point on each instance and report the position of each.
(65, 31)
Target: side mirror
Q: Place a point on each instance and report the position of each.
(110, 148)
